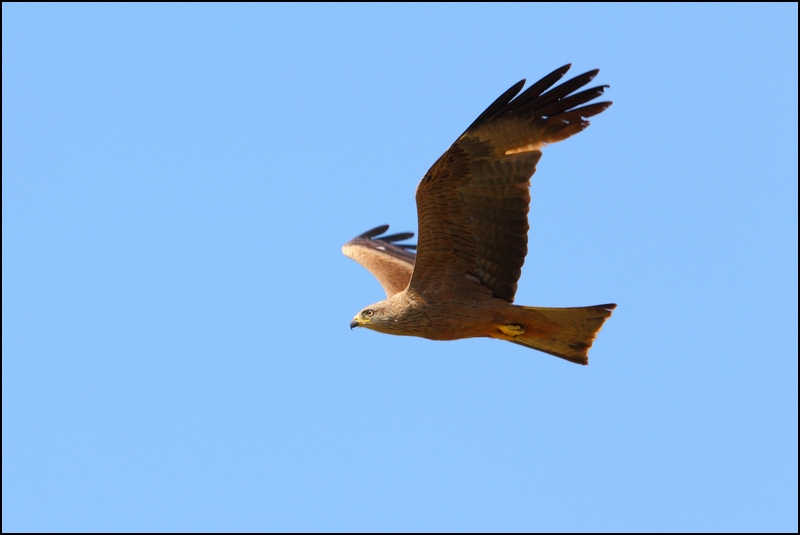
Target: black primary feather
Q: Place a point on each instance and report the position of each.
(391, 239)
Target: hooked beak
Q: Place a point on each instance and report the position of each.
(353, 324)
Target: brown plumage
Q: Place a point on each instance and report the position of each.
(472, 207)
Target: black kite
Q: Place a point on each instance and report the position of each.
(472, 207)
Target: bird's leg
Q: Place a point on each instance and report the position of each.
(511, 331)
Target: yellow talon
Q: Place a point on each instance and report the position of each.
(512, 330)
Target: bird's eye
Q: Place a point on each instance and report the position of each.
(368, 313)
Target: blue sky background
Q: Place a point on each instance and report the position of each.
(178, 181)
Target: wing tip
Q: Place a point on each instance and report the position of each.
(377, 235)
(374, 232)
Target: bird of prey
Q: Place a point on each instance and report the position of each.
(472, 209)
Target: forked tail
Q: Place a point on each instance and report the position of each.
(567, 333)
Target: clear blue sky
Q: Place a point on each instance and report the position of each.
(178, 181)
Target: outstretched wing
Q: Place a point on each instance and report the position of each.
(472, 205)
(390, 262)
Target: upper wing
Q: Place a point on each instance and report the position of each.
(472, 205)
(390, 262)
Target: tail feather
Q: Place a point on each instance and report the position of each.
(566, 333)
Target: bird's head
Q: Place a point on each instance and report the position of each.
(375, 317)
(394, 315)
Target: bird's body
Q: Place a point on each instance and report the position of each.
(472, 207)
(439, 320)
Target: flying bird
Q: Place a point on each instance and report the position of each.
(472, 209)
